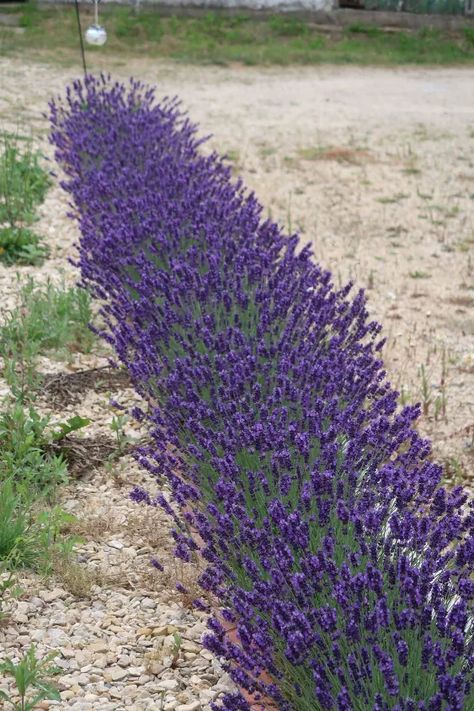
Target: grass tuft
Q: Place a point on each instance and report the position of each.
(23, 186)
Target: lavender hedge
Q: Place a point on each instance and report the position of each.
(327, 537)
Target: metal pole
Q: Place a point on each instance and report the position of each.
(79, 29)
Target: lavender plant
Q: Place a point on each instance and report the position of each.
(328, 539)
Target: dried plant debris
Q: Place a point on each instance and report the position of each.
(63, 389)
(85, 454)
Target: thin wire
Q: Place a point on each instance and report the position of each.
(79, 28)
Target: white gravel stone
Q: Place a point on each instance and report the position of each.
(168, 684)
(193, 706)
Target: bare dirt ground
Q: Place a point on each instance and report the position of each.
(375, 169)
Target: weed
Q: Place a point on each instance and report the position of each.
(117, 426)
(411, 165)
(27, 538)
(23, 438)
(417, 274)
(23, 186)
(440, 401)
(19, 245)
(30, 673)
(339, 154)
(23, 182)
(32, 454)
(66, 428)
(177, 642)
(233, 156)
(47, 318)
(411, 170)
(454, 471)
(392, 200)
(75, 577)
(425, 391)
(465, 245)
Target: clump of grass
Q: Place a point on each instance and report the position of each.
(53, 318)
(339, 154)
(23, 186)
(419, 274)
(29, 536)
(77, 578)
(48, 319)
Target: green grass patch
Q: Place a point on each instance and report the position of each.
(219, 39)
(23, 186)
(48, 319)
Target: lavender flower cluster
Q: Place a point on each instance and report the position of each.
(327, 538)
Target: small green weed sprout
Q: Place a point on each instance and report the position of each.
(177, 642)
(31, 674)
(418, 274)
(117, 426)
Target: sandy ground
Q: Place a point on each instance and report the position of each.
(374, 168)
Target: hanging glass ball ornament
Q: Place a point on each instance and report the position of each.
(96, 34)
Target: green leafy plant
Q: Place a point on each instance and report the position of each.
(31, 448)
(72, 425)
(19, 245)
(177, 642)
(31, 673)
(117, 426)
(23, 182)
(29, 538)
(23, 186)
